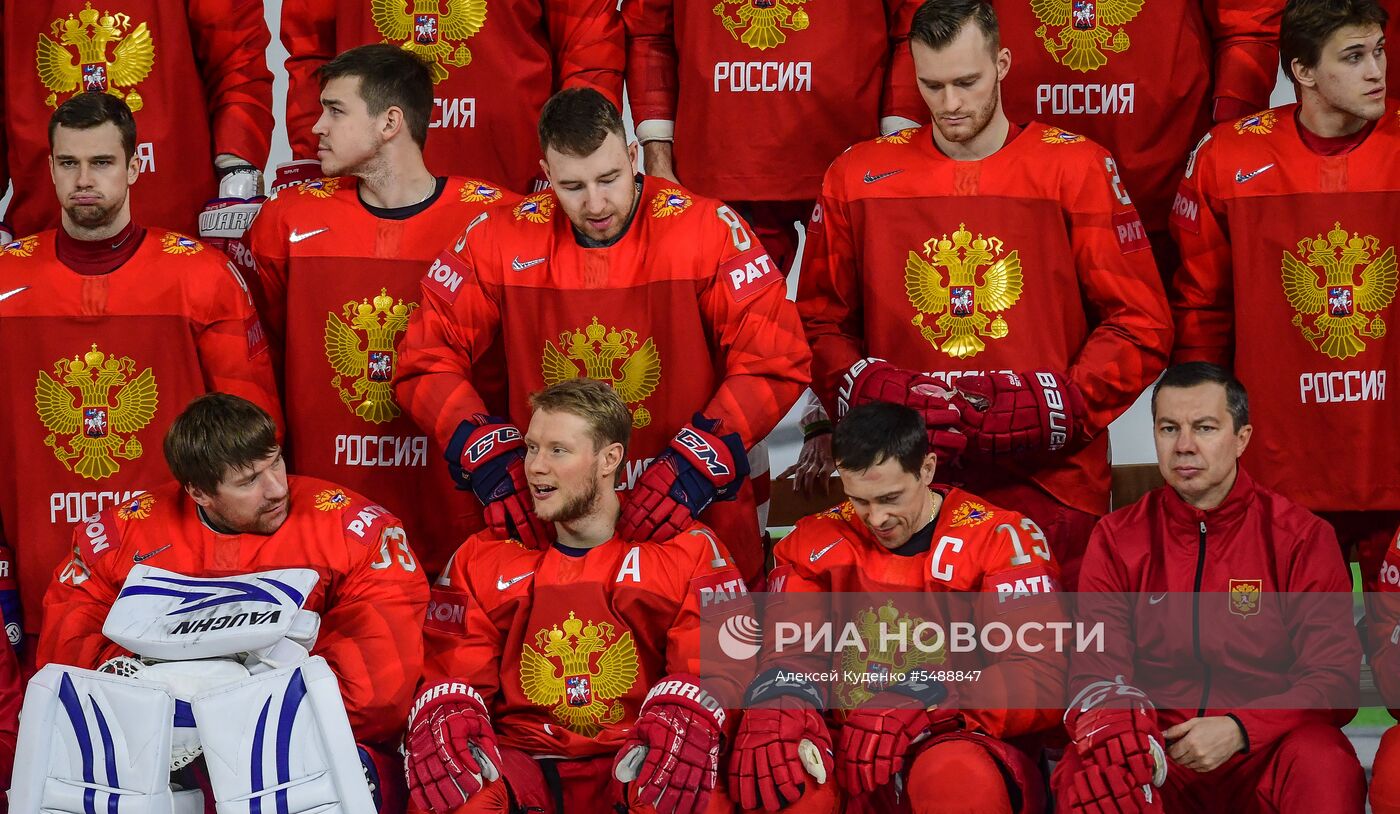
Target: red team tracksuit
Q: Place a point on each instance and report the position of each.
(339, 283)
(1299, 250)
(494, 63)
(100, 365)
(528, 628)
(193, 71)
(1204, 654)
(685, 313)
(966, 267)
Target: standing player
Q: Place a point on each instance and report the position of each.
(194, 73)
(1289, 270)
(492, 72)
(633, 281)
(518, 708)
(975, 250)
(109, 328)
(339, 260)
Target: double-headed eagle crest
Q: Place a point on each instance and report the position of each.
(1084, 29)
(1335, 309)
(77, 401)
(760, 23)
(75, 59)
(579, 673)
(435, 31)
(962, 303)
(599, 350)
(889, 652)
(370, 365)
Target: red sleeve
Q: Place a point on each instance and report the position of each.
(901, 95)
(267, 240)
(801, 599)
(1383, 627)
(712, 575)
(1203, 293)
(461, 643)
(230, 40)
(1104, 599)
(11, 696)
(76, 605)
(4, 118)
(232, 345)
(1245, 34)
(651, 58)
(308, 34)
(828, 290)
(589, 45)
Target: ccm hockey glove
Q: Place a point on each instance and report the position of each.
(487, 456)
(698, 468)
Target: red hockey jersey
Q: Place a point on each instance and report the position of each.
(99, 367)
(1139, 78)
(371, 596)
(1033, 257)
(1383, 625)
(747, 80)
(492, 72)
(565, 643)
(685, 313)
(193, 71)
(1289, 274)
(339, 284)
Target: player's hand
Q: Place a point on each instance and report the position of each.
(1114, 726)
(876, 737)
(698, 468)
(1097, 790)
(450, 749)
(487, 456)
(1202, 744)
(671, 755)
(877, 380)
(782, 740)
(1019, 413)
(814, 465)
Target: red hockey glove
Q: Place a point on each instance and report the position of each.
(782, 739)
(295, 172)
(1096, 790)
(450, 748)
(487, 456)
(876, 737)
(672, 752)
(1012, 414)
(877, 380)
(1114, 726)
(698, 468)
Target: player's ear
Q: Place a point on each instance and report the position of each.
(198, 495)
(1303, 75)
(926, 470)
(393, 122)
(133, 169)
(611, 459)
(632, 155)
(1242, 436)
(1003, 63)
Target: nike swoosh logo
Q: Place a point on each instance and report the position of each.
(298, 237)
(1155, 598)
(519, 266)
(870, 179)
(1241, 176)
(502, 583)
(816, 555)
(11, 293)
(139, 557)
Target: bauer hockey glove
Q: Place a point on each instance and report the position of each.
(698, 468)
(487, 456)
(877, 380)
(450, 749)
(1019, 413)
(671, 754)
(1114, 726)
(876, 737)
(782, 739)
(1096, 790)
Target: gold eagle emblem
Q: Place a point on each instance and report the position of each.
(1245, 595)
(137, 507)
(1085, 29)
(1260, 124)
(971, 513)
(75, 59)
(479, 192)
(23, 247)
(630, 364)
(1335, 309)
(885, 657)
(319, 187)
(961, 283)
(329, 500)
(1054, 135)
(371, 364)
(77, 401)
(537, 208)
(760, 23)
(669, 202)
(580, 672)
(899, 136)
(176, 243)
(435, 31)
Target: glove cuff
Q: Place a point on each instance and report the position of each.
(1062, 405)
(776, 682)
(295, 172)
(1115, 694)
(849, 394)
(228, 218)
(457, 693)
(684, 690)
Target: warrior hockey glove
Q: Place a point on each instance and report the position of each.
(876, 737)
(1018, 413)
(1096, 790)
(672, 751)
(487, 456)
(877, 380)
(698, 468)
(1114, 726)
(781, 740)
(450, 747)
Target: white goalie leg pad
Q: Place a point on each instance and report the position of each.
(280, 743)
(93, 743)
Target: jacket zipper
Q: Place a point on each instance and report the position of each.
(1196, 618)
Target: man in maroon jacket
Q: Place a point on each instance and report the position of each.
(1229, 656)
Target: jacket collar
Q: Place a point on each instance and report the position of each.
(1228, 513)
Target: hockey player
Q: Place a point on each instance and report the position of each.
(517, 712)
(491, 72)
(234, 510)
(1226, 696)
(109, 327)
(912, 744)
(1383, 615)
(339, 261)
(1010, 265)
(194, 73)
(635, 281)
(1288, 270)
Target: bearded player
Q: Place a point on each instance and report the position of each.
(567, 679)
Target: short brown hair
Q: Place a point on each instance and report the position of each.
(938, 22)
(577, 121)
(217, 433)
(1308, 24)
(94, 109)
(609, 420)
(389, 77)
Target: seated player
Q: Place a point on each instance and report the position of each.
(918, 744)
(1223, 688)
(1383, 614)
(235, 510)
(565, 680)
